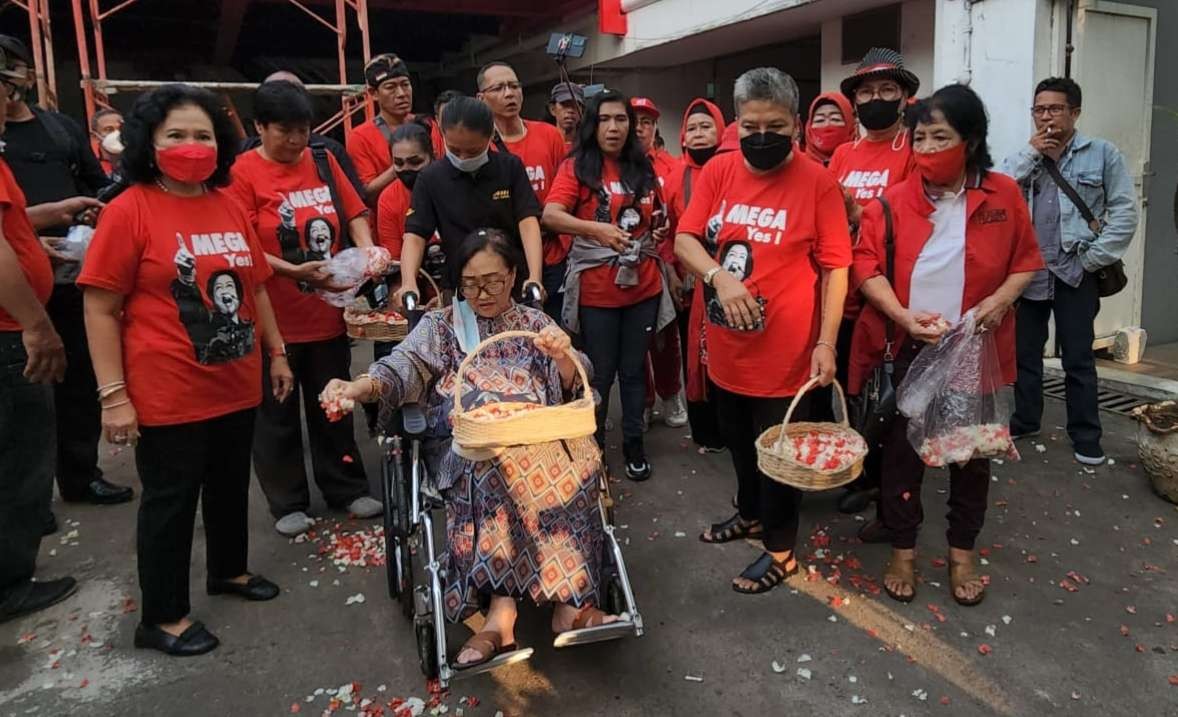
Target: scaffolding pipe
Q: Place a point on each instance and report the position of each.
(96, 86)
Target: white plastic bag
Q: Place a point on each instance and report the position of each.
(957, 405)
(76, 242)
(351, 268)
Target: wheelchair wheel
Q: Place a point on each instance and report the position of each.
(427, 651)
(392, 569)
(408, 575)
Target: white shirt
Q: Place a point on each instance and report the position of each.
(938, 278)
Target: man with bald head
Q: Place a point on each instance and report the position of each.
(336, 149)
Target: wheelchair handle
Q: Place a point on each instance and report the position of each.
(533, 294)
(411, 300)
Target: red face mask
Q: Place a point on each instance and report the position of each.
(827, 138)
(942, 167)
(190, 162)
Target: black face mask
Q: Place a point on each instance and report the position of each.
(408, 177)
(702, 155)
(766, 150)
(879, 114)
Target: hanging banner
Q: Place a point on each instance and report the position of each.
(610, 18)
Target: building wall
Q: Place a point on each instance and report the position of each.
(1161, 237)
(916, 44)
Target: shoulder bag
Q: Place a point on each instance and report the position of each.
(1111, 279)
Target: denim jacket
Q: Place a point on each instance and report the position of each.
(1097, 170)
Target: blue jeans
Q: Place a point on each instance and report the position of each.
(27, 450)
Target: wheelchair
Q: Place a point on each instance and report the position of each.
(415, 568)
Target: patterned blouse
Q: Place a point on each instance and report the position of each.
(423, 367)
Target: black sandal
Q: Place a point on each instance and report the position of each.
(735, 528)
(767, 573)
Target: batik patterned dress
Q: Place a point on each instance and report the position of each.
(525, 524)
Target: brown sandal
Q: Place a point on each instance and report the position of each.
(589, 616)
(488, 643)
(961, 574)
(904, 571)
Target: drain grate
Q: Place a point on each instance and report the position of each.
(1111, 401)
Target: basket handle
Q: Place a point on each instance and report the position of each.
(462, 367)
(838, 389)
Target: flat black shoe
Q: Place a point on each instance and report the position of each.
(36, 596)
(875, 532)
(196, 640)
(50, 526)
(257, 588)
(102, 492)
(767, 573)
(856, 501)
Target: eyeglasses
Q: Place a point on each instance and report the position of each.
(1053, 110)
(502, 87)
(473, 288)
(889, 93)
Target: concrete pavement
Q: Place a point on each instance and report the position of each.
(1104, 644)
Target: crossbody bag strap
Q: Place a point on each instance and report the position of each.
(1066, 187)
(889, 274)
(323, 168)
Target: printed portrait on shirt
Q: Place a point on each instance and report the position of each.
(319, 237)
(216, 327)
(288, 234)
(736, 258)
(712, 232)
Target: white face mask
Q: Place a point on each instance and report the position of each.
(471, 165)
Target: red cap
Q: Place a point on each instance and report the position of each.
(644, 104)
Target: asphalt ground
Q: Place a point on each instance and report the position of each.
(1079, 617)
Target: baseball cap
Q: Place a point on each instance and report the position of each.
(384, 67)
(645, 104)
(564, 91)
(14, 58)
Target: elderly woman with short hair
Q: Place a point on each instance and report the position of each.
(774, 294)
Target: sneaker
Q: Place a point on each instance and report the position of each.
(638, 470)
(675, 411)
(1090, 456)
(294, 524)
(366, 507)
(637, 467)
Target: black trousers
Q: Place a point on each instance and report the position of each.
(902, 475)
(553, 279)
(26, 466)
(278, 437)
(206, 460)
(1075, 311)
(759, 497)
(79, 418)
(616, 341)
(701, 415)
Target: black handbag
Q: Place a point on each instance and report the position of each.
(1110, 280)
(875, 408)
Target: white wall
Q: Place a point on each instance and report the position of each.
(992, 47)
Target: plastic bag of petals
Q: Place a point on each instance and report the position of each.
(351, 268)
(957, 406)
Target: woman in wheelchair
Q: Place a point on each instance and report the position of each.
(525, 524)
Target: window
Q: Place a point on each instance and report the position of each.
(874, 28)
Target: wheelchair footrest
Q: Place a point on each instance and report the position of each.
(502, 660)
(613, 631)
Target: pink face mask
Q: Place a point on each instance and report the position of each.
(190, 162)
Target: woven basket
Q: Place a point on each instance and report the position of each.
(775, 455)
(541, 424)
(385, 331)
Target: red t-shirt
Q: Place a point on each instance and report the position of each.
(867, 168)
(598, 285)
(776, 231)
(542, 150)
(20, 235)
(291, 211)
(390, 211)
(188, 269)
(436, 139)
(370, 151)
